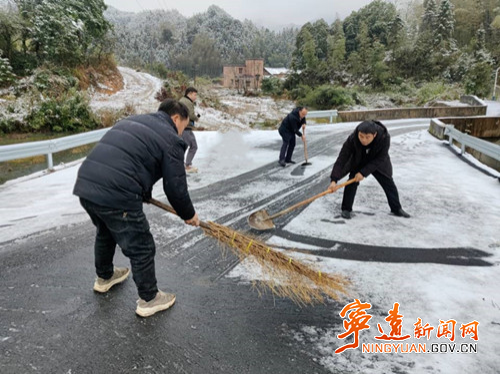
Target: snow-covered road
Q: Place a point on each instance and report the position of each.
(139, 91)
(441, 264)
(455, 210)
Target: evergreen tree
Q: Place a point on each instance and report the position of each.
(6, 74)
(320, 32)
(304, 36)
(445, 22)
(396, 33)
(429, 18)
(377, 16)
(478, 76)
(336, 48)
(309, 51)
(63, 32)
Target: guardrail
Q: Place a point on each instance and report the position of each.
(489, 149)
(48, 147)
(323, 114)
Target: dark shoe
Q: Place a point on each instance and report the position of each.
(401, 213)
(119, 275)
(290, 162)
(346, 214)
(282, 163)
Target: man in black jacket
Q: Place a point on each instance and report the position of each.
(115, 179)
(365, 152)
(290, 127)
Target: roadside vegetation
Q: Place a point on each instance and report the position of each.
(435, 50)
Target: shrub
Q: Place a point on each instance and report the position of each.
(109, 117)
(478, 79)
(7, 77)
(272, 86)
(54, 82)
(430, 91)
(329, 97)
(436, 91)
(300, 92)
(69, 113)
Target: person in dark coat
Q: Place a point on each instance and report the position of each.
(115, 179)
(365, 152)
(290, 127)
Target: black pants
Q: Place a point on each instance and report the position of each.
(387, 183)
(287, 147)
(130, 230)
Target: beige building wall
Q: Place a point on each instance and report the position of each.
(244, 77)
(230, 73)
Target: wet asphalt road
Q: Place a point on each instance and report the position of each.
(52, 322)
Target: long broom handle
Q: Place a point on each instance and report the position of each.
(305, 145)
(311, 199)
(169, 209)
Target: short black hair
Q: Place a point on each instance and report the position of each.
(299, 108)
(172, 107)
(367, 127)
(189, 90)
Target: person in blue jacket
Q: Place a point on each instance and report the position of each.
(289, 128)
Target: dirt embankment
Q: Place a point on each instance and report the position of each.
(103, 76)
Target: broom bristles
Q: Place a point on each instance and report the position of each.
(287, 277)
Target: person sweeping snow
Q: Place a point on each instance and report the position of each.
(115, 179)
(365, 152)
(290, 127)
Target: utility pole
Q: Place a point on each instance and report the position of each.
(495, 84)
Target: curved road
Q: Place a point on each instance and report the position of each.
(52, 322)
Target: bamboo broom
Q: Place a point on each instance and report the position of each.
(284, 276)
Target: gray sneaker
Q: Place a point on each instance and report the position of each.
(119, 275)
(162, 301)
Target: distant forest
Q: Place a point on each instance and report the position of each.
(379, 46)
(376, 46)
(198, 45)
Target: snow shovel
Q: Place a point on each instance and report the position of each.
(305, 150)
(261, 220)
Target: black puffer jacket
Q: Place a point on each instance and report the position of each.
(292, 123)
(354, 157)
(130, 158)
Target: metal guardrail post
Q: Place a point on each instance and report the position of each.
(486, 148)
(52, 149)
(50, 162)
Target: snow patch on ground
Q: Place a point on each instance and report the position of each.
(431, 197)
(139, 91)
(241, 112)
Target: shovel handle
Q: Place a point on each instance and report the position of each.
(305, 147)
(169, 209)
(310, 200)
(305, 144)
